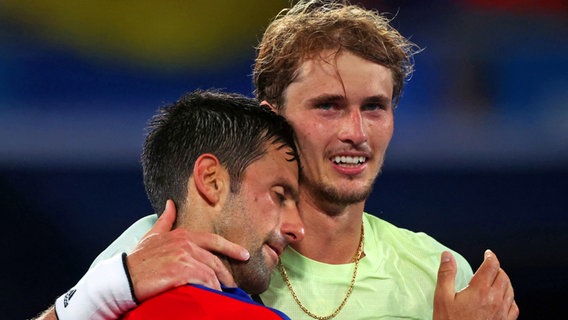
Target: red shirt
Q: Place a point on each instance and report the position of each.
(198, 302)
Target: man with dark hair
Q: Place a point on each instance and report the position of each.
(230, 126)
(231, 169)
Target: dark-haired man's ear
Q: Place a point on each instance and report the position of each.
(267, 104)
(211, 178)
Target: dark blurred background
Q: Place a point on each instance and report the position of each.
(479, 158)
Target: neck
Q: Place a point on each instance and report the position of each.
(332, 234)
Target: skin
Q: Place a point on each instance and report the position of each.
(489, 294)
(346, 113)
(263, 217)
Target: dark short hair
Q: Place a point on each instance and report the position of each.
(232, 127)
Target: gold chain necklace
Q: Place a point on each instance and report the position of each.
(357, 258)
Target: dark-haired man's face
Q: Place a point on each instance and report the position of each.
(263, 217)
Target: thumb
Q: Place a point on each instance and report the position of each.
(166, 220)
(445, 287)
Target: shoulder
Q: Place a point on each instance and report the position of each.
(388, 233)
(128, 239)
(416, 247)
(198, 302)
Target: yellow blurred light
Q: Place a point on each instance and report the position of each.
(159, 33)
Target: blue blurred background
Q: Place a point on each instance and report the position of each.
(479, 158)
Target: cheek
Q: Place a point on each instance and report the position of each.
(384, 133)
(314, 137)
(389, 130)
(265, 224)
(305, 126)
(381, 132)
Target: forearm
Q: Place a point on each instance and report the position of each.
(48, 314)
(104, 292)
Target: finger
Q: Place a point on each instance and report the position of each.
(500, 294)
(212, 266)
(503, 283)
(203, 275)
(445, 286)
(222, 273)
(487, 272)
(513, 311)
(509, 298)
(216, 243)
(166, 220)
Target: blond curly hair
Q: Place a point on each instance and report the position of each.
(312, 26)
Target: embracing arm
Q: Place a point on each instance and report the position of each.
(489, 294)
(48, 314)
(162, 260)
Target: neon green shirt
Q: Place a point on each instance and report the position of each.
(396, 278)
(128, 240)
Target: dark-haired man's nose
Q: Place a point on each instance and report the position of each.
(292, 227)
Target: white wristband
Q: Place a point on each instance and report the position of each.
(104, 292)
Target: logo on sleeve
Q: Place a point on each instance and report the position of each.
(68, 297)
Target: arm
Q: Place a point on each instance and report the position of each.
(162, 260)
(48, 314)
(489, 295)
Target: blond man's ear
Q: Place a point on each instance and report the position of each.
(268, 104)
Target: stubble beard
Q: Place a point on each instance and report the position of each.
(328, 193)
(253, 275)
